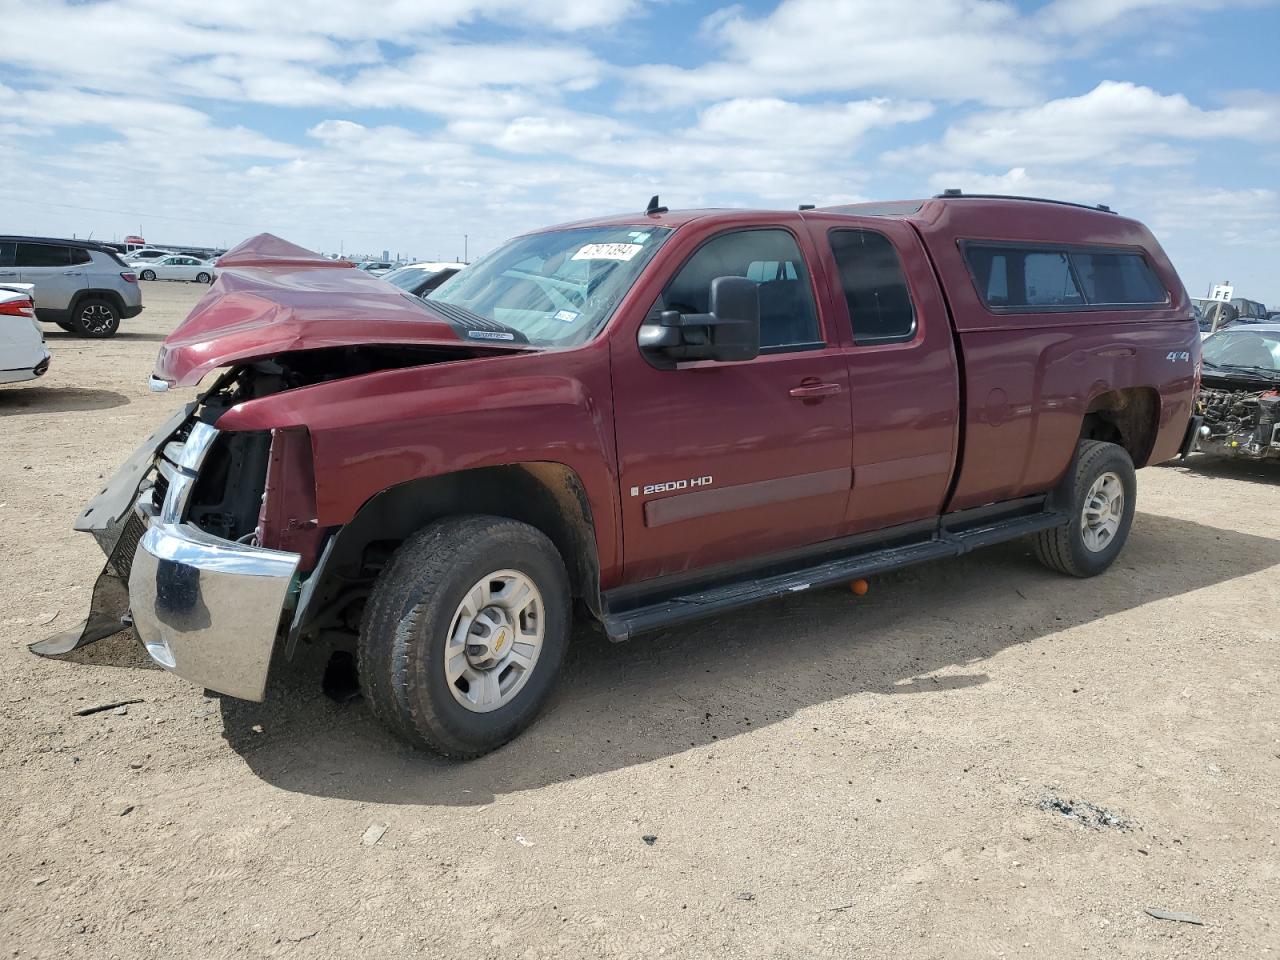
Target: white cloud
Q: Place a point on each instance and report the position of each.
(946, 49)
(1115, 124)
(156, 129)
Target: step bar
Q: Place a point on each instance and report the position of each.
(708, 601)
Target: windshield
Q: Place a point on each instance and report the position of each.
(1248, 349)
(557, 288)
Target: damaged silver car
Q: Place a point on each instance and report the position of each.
(1240, 393)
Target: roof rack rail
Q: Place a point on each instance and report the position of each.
(951, 193)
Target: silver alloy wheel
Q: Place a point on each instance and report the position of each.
(202, 278)
(494, 640)
(148, 274)
(1103, 510)
(96, 318)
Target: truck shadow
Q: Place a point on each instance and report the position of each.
(624, 704)
(15, 402)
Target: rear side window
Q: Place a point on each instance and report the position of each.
(770, 258)
(1117, 278)
(6, 253)
(42, 255)
(79, 255)
(874, 285)
(1039, 278)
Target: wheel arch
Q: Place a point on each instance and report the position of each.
(94, 293)
(548, 496)
(1129, 417)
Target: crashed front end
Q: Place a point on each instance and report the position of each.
(180, 524)
(1240, 420)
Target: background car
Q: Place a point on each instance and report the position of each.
(146, 255)
(376, 267)
(421, 278)
(178, 267)
(22, 351)
(80, 285)
(1251, 311)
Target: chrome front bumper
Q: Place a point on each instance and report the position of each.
(206, 609)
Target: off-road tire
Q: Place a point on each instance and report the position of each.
(403, 632)
(1063, 548)
(96, 318)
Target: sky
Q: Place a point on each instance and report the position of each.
(406, 125)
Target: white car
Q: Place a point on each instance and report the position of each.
(177, 267)
(376, 267)
(22, 351)
(146, 255)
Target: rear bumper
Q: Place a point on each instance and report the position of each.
(25, 373)
(131, 310)
(207, 609)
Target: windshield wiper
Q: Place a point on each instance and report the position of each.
(1266, 373)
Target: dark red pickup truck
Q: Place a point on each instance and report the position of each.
(662, 416)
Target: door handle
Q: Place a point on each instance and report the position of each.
(815, 391)
(71, 273)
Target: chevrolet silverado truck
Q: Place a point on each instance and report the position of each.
(646, 419)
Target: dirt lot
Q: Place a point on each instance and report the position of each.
(829, 776)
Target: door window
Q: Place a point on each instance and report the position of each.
(772, 259)
(874, 285)
(42, 255)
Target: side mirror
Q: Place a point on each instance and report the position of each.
(730, 332)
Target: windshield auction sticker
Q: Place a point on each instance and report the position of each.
(608, 251)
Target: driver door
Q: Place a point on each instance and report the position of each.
(724, 461)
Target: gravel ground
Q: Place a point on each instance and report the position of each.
(827, 776)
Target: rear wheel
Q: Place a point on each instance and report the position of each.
(464, 634)
(1103, 497)
(148, 274)
(202, 278)
(95, 318)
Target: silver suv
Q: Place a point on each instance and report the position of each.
(82, 287)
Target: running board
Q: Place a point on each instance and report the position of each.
(670, 611)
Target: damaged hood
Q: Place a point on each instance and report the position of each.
(273, 297)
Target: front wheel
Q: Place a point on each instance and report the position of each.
(1103, 496)
(464, 633)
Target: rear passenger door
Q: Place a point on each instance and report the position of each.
(903, 377)
(58, 272)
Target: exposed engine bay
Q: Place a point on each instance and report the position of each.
(1239, 421)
